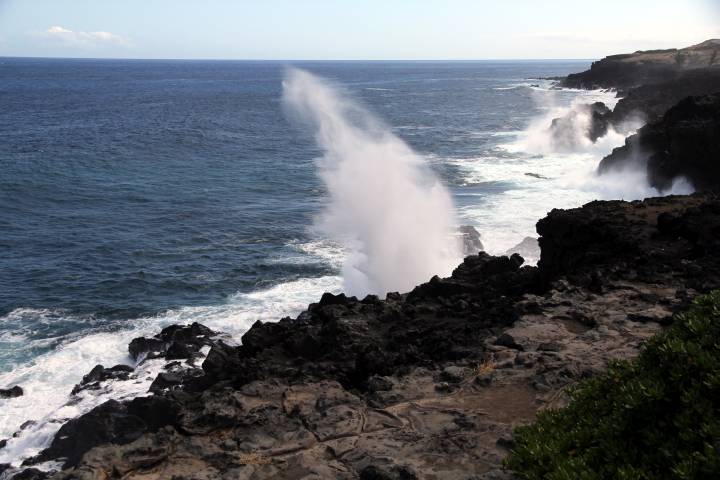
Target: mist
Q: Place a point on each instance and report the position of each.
(386, 207)
(568, 140)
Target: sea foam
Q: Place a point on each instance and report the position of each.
(49, 378)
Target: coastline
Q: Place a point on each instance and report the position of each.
(371, 387)
(377, 387)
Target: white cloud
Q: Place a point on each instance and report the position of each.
(67, 37)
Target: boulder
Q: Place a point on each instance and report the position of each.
(31, 474)
(588, 121)
(527, 248)
(106, 423)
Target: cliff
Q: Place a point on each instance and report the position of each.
(685, 143)
(427, 384)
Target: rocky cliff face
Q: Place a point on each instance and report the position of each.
(685, 143)
(427, 384)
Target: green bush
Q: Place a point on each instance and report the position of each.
(657, 417)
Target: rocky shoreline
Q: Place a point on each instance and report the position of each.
(675, 94)
(427, 384)
(684, 143)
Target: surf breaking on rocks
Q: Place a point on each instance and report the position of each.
(386, 206)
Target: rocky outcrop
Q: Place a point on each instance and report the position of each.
(649, 84)
(471, 241)
(625, 71)
(13, 392)
(591, 121)
(527, 248)
(173, 342)
(683, 144)
(427, 384)
(100, 374)
(650, 102)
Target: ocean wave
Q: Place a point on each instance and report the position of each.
(557, 179)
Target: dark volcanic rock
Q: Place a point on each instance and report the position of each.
(348, 340)
(31, 474)
(111, 422)
(174, 341)
(350, 389)
(653, 241)
(165, 380)
(13, 392)
(506, 340)
(599, 114)
(650, 102)
(683, 144)
(650, 83)
(374, 472)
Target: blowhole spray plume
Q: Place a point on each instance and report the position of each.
(386, 206)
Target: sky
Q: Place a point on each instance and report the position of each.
(351, 30)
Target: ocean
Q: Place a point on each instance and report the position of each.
(135, 194)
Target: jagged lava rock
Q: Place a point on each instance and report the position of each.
(100, 374)
(588, 120)
(685, 143)
(471, 240)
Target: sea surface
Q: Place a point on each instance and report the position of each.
(136, 194)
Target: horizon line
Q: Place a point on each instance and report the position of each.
(33, 57)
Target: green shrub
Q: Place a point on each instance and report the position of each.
(657, 417)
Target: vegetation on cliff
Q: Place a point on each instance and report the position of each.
(657, 417)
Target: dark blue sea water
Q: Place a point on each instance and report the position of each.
(134, 194)
(130, 187)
